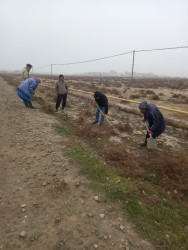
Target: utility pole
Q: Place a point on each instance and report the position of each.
(51, 69)
(133, 64)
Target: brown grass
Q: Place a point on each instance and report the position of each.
(134, 96)
(52, 95)
(126, 127)
(150, 92)
(114, 91)
(47, 109)
(88, 112)
(155, 97)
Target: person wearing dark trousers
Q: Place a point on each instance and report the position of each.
(62, 91)
(59, 98)
(102, 105)
(156, 122)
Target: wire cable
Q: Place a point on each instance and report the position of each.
(107, 57)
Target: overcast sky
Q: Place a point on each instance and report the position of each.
(44, 32)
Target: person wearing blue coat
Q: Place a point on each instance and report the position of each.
(156, 122)
(26, 89)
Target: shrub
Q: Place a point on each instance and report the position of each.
(150, 92)
(155, 97)
(134, 96)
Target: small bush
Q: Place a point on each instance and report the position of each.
(134, 96)
(88, 112)
(150, 92)
(176, 95)
(155, 97)
(52, 95)
(114, 91)
(126, 127)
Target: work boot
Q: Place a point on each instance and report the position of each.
(143, 144)
(26, 104)
(94, 122)
(31, 106)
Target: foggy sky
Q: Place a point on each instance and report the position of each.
(44, 32)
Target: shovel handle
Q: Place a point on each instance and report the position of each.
(103, 114)
(147, 128)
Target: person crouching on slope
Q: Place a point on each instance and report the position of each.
(102, 105)
(156, 122)
(26, 89)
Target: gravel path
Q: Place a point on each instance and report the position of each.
(44, 202)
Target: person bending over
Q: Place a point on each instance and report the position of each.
(156, 122)
(26, 89)
(102, 105)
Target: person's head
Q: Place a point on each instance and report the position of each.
(143, 107)
(61, 77)
(29, 66)
(97, 95)
(38, 80)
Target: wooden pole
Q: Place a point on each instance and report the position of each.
(133, 65)
(51, 69)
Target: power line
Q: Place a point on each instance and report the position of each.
(147, 50)
(97, 59)
(107, 57)
(40, 67)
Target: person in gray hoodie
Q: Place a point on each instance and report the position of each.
(62, 91)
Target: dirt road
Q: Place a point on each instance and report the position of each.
(44, 201)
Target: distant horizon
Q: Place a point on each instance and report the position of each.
(98, 74)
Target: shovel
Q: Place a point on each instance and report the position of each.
(151, 142)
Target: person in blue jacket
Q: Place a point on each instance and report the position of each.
(102, 105)
(26, 89)
(156, 122)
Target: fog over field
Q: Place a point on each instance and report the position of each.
(45, 32)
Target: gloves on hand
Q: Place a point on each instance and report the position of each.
(144, 120)
(150, 132)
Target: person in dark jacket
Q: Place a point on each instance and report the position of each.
(61, 91)
(156, 122)
(102, 105)
(26, 89)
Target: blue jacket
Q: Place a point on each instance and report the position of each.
(155, 119)
(28, 86)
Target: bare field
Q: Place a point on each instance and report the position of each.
(167, 92)
(158, 178)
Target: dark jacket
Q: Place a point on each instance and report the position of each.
(155, 119)
(102, 101)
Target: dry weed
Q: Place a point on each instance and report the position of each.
(134, 96)
(126, 127)
(155, 97)
(52, 95)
